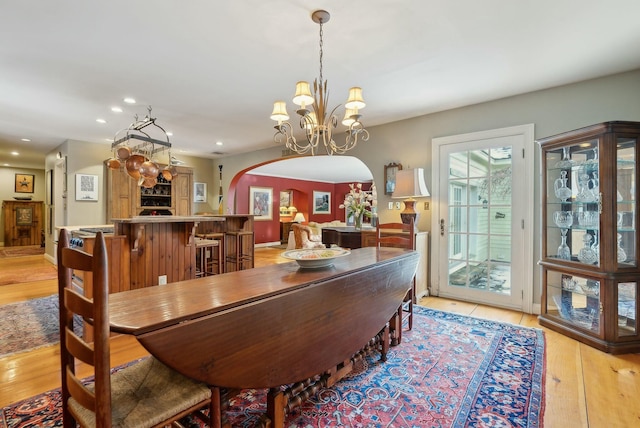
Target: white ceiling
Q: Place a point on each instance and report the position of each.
(328, 169)
(211, 69)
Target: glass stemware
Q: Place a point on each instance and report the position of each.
(622, 255)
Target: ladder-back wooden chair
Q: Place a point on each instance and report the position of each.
(144, 394)
(399, 235)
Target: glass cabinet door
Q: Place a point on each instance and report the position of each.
(573, 203)
(626, 202)
(574, 299)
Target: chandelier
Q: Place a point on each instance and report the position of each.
(316, 120)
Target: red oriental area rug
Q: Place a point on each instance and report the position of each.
(449, 371)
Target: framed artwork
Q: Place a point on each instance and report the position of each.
(321, 202)
(49, 187)
(86, 187)
(24, 216)
(286, 198)
(390, 172)
(24, 183)
(261, 202)
(199, 192)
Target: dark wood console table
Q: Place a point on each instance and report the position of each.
(345, 237)
(271, 324)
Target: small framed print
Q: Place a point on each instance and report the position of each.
(24, 183)
(261, 202)
(86, 187)
(321, 202)
(199, 192)
(390, 172)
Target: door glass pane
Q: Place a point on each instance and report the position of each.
(480, 219)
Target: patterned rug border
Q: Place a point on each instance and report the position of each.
(475, 405)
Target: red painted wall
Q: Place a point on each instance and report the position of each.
(302, 199)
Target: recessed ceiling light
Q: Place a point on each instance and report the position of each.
(25, 139)
(101, 120)
(219, 143)
(15, 153)
(129, 100)
(5, 164)
(116, 109)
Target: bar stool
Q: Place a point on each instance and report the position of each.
(204, 253)
(239, 250)
(216, 261)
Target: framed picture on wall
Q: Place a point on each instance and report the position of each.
(321, 202)
(390, 172)
(86, 187)
(24, 216)
(199, 192)
(24, 183)
(286, 198)
(261, 202)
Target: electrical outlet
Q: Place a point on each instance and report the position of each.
(426, 205)
(397, 205)
(390, 205)
(162, 279)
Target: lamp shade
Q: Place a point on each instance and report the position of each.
(303, 94)
(355, 100)
(279, 112)
(410, 184)
(299, 218)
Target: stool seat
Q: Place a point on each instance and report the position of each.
(239, 250)
(205, 260)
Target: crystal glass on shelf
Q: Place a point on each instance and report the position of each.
(586, 254)
(565, 162)
(584, 194)
(563, 219)
(622, 255)
(564, 252)
(588, 218)
(560, 186)
(594, 160)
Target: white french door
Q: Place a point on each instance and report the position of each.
(482, 224)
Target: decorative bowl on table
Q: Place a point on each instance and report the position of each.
(313, 258)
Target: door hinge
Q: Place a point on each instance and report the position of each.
(522, 153)
(522, 223)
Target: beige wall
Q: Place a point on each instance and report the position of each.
(551, 111)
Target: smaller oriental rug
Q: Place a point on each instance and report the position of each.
(29, 325)
(449, 371)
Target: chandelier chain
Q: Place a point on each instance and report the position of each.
(321, 52)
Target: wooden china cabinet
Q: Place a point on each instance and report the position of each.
(590, 272)
(127, 199)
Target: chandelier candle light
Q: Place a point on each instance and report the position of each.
(318, 123)
(356, 202)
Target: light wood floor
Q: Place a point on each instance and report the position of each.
(584, 387)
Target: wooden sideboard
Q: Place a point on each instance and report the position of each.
(22, 223)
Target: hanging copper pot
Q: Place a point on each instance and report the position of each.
(149, 169)
(123, 152)
(147, 183)
(133, 165)
(168, 172)
(113, 163)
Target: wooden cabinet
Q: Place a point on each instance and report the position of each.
(22, 223)
(285, 228)
(127, 199)
(590, 272)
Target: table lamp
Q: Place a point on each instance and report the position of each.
(409, 186)
(299, 218)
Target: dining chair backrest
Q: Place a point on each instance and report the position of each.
(95, 310)
(398, 235)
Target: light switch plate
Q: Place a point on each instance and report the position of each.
(426, 205)
(390, 205)
(397, 205)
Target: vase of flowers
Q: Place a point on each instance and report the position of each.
(357, 203)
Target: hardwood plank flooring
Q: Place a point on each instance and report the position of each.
(584, 387)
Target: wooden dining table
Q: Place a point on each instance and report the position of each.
(269, 326)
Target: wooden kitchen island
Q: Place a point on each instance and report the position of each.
(270, 326)
(162, 248)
